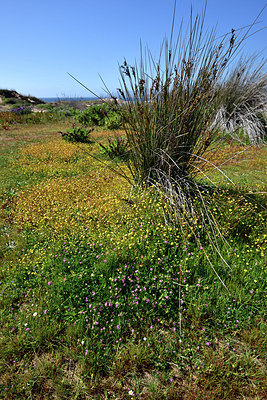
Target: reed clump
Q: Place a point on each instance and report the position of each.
(175, 108)
(242, 114)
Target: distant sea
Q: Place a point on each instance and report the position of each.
(55, 99)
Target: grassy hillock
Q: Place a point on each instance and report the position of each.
(13, 98)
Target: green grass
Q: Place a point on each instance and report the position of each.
(100, 299)
(244, 165)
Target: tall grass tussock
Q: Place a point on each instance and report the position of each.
(176, 109)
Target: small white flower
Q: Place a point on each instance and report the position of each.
(11, 244)
(82, 342)
(34, 314)
(131, 393)
(144, 338)
(25, 324)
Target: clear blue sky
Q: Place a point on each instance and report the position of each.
(42, 40)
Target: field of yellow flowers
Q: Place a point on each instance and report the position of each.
(102, 299)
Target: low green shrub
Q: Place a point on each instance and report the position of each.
(94, 115)
(100, 115)
(22, 110)
(10, 101)
(22, 115)
(77, 134)
(116, 148)
(113, 121)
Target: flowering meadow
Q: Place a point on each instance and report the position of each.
(103, 298)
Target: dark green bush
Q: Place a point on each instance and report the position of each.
(100, 115)
(77, 134)
(116, 148)
(10, 101)
(113, 121)
(93, 116)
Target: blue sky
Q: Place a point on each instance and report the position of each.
(43, 40)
